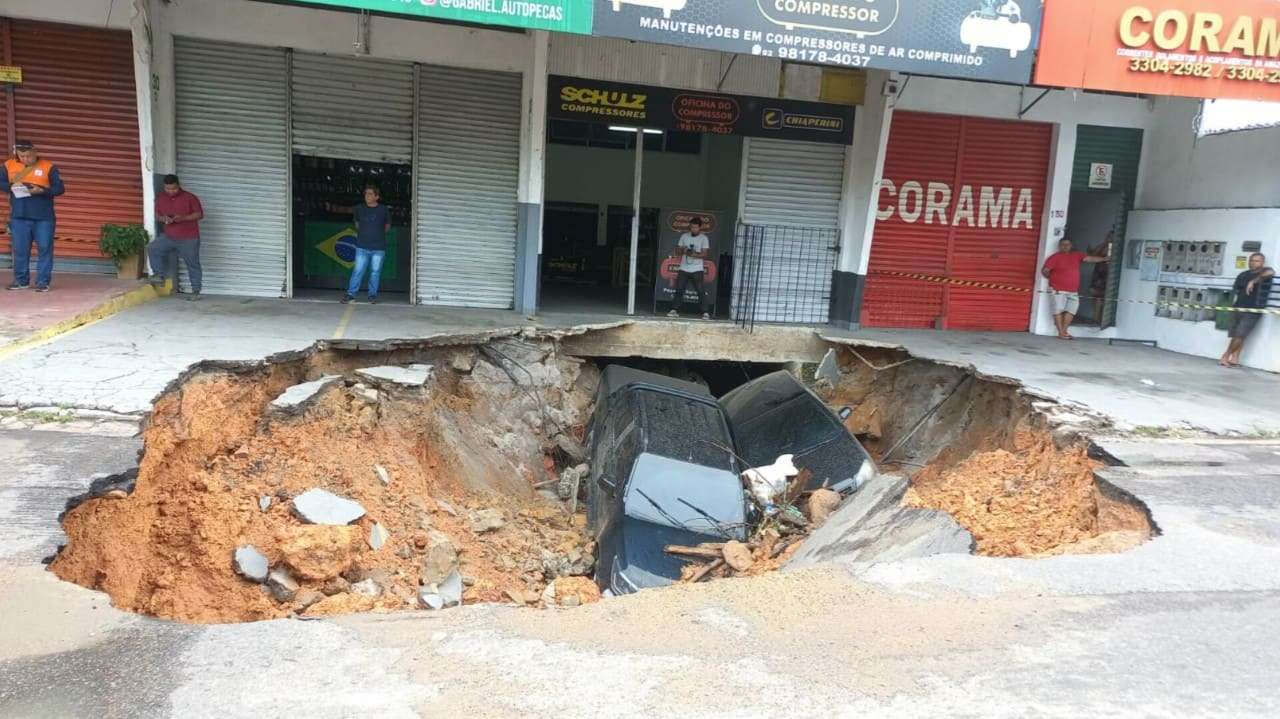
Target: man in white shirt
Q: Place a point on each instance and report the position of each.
(692, 249)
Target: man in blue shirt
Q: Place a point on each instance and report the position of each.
(31, 184)
(373, 220)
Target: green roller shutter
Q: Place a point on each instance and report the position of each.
(1120, 147)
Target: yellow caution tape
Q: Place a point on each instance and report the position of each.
(1026, 290)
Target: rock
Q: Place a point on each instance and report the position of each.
(424, 520)
(829, 368)
(319, 506)
(446, 508)
(415, 375)
(115, 494)
(445, 594)
(462, 360)
(873, 526)
(572, 448)
(486, 520)
(348, 603)
(264, 503)
(282, 585)
(297, 397)
(335, 585)
(440, 561)
(250, 563)
(366, 393)
(383, 475)
(570, 480)
(378, 536)
(519, 596)
(737, 556)
(319, 551)
(421, 540)
(368, 588)
(821, 505)
(405, 552)
(549, 595)
(306, 597)
(570, 601)
(575, 591)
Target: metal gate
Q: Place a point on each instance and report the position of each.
(77, 103)
(961, 200)
(233, 152)
(790, 236)
(352, 108)
(467, 177)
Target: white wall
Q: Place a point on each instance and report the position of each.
(1237, 169)
(1233, 226)
(98, 13)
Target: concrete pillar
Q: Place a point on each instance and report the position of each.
(533, 145)
(141, 26)
(864, 166)
(1053, 224)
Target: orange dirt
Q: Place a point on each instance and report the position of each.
(1033, 499)
(213, 451)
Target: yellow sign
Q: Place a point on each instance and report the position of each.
(11, 74)
(1242, 262)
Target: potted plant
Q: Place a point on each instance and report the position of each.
(124, 244)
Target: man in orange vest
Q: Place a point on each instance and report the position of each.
(31, 184)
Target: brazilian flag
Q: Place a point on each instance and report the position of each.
(331, 250)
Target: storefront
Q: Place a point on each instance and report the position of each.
(76, 102)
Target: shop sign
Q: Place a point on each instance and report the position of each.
(971, 39)
(10, 75)
(1100, 176)
(935, 203)
(705, 112)
(1190, 48)
(562, 15)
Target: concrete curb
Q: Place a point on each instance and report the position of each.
(119, 303)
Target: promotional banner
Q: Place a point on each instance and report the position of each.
(562, 15)
(972, 39)
(617, 103)
(675, 225)
(1191, 48)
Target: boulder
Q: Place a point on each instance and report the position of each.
(873, 526)
(822, 503)
(299, 396)
(440, 560)
(319, 506)
(319, 552)
(250, 563)
(282, 585)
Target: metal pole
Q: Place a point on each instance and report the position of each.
(635, 223)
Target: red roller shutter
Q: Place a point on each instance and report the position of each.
(964, 199)
(77, 103)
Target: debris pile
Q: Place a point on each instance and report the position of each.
(318, 485)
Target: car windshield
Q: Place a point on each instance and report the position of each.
(688, 496)
(794, 427)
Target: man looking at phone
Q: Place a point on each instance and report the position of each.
(692, 249)
(179, 213)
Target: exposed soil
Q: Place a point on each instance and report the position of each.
(213, 451)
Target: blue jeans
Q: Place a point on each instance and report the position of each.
(23, 233)
(372, 260)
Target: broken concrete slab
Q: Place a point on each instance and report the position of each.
(829, 368)
(281, 584)
(486, 520)
(378, 536)
(250, 563)
(412, 376)
(320, 506)
(299, 396)
(873, 526)
(445, 594)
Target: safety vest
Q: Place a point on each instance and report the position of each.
(37, 173)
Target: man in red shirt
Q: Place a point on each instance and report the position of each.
(1063, 270)
(179, 212)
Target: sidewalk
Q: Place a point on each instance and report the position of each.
(26, 312)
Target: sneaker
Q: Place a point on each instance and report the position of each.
(706, 316)
(156, 279)
(193, 297)
(373, 299)
(673, 313)
(16, 286)
(346, 299)
(42, 288)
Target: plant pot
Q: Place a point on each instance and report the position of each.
(129, 268)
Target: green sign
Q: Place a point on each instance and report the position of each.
(330, 249)
(562, 15)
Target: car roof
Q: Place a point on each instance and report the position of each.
(762, 394)
(619, 377)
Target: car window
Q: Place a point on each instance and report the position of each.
(679, 428)
(793, 427)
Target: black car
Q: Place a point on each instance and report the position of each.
(661, 473)
(776, 415)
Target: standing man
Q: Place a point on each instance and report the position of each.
(32, 184)
(373, 221)
(692, 248)
(179, 213)
(1063, 270)
(1253, 289)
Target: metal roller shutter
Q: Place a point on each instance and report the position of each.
(232, 115)
(793, 190)
(77, 103)
(350, 108)
(950, 159)
(467, 176)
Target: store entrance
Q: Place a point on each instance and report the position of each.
(590, 196)
(325, 190)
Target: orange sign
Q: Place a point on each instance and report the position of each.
(1191, 48)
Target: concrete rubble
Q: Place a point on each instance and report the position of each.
(300, 396)
(320, 506)
(486, 520)
(250, 563)
(378, 536)
(392, 377)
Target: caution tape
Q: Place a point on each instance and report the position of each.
(1026, 290)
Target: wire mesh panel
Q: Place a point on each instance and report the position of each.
(783, 274)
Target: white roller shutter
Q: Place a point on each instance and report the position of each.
(352, 108)
(791, 200)
(232, 115)
(467, 176)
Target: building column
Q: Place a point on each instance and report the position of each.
(864, 166)
(141, 26)
(533, 142)
(1054, 222)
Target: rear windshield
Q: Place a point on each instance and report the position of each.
(683, 429)
(686, 496)
(793, 427)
